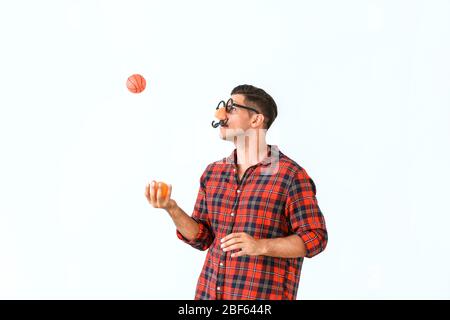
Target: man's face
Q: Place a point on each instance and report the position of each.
(239, 120)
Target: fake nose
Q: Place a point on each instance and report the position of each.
(221, 114)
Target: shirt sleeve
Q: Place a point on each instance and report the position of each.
(205, 235)
(304, 214)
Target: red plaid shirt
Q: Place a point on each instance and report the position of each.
(275, 198)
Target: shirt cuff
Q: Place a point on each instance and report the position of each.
(201, 240)
(313, 243)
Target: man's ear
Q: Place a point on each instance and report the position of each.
(258, 119)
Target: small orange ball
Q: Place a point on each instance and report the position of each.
(164, 189)
(136, 83)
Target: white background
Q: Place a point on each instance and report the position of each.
(363, 94)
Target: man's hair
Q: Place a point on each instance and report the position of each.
(262, 100)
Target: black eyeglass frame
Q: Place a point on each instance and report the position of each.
(230, 103)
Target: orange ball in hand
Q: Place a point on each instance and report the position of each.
(164, 189)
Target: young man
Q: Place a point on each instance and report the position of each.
(256, 210)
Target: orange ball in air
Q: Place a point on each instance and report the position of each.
(136, 83)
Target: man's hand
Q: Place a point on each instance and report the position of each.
(243, 241)
(155, 198)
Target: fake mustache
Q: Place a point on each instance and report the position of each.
(220, 114)
(219, 123)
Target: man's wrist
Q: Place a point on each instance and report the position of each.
(262, 246)
(172, 207)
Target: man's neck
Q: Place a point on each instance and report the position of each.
(250, 150)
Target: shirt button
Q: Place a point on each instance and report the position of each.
(232, 214)
(221, 264)
(238, 190)
(218, 288)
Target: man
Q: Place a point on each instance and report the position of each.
(256, 210)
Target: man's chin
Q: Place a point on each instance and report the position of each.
(226, 134)
(226, 137)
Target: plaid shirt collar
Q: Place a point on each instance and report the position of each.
(273, 156)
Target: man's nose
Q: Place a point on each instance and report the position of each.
(221, 114)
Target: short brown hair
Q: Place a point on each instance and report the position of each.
(263, 101)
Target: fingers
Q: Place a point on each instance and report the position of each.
(231, 242)
(152, 193)
(232, 235)
(234, 247)
(159, 195)
(241, 246)
(147, 191)
(235, 241)
(238, 254)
